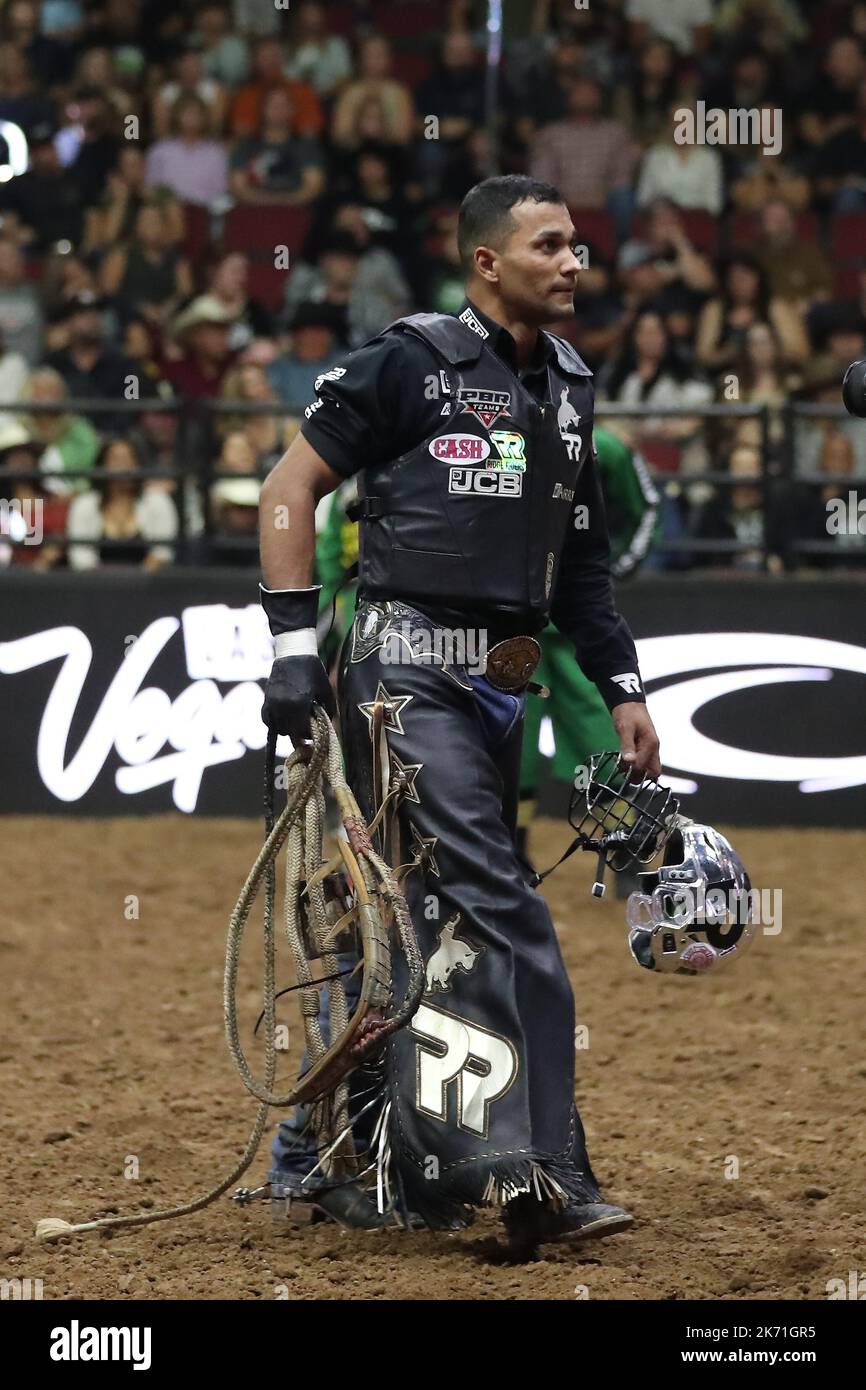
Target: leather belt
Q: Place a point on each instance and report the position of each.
(511, 664)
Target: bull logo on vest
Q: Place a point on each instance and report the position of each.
(452, 953)
(568, 420)
(453, 1054)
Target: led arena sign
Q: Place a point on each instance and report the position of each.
(766, 658)
(158, 740)
(105, 723)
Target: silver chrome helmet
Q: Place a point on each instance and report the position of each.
(697, 910)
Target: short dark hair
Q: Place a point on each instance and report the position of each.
(485, 213)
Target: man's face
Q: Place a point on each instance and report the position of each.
(86, 327)
(536, 266)
(312, 343)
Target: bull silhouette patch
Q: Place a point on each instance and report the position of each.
(452, 953)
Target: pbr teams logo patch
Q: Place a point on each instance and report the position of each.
(469, 448)
(484, 482)
(485, 405)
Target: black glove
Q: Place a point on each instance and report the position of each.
(294, 685)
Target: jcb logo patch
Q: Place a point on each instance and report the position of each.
(485, 482)
(451, 1051)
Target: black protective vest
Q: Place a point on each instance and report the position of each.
(475, 516)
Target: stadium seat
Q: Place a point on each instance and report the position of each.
(196, 233)
(267, 284)
(254, 229)
(662, 455)
(846, 281)
(596, 226)
(413, 68)
(848, 235)
(406, 19)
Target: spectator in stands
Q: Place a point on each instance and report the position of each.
(602, 176)
(745, 299)
(146, 277)
(758, 378)
(225, 56)
(643, 103)
(758, 175)
(14, 373)
(91, 130)
(773, 25)
(121, 509)
(235, 506)
(237, 455)
(113, 218)
(21, 319)
(90, 366)
(190, 79)
(228, 283)
(315, 347)
(46, 198)
(190, 163)
(815, 508)
(689, 175)
(539, 95)
(839, 338)
(455, 97)
(749, 80)
(443, 284)
(829, 106)
(20, 100)
(201, 355)
(600, 319)
(320, 59)
(68, 444)
(375, 86)
(364, 283)
(797, 269)
(245, 116)
(734, 513)
(21, 26)
(262, 433)
(687, 24)
(276, 167)
(96, 70)
(651, 372)
(840, 162)
(26, 530)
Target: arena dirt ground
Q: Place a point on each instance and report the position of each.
(112, 1047)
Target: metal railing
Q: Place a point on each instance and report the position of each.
(784, 487)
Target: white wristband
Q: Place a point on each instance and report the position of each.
(300, 643)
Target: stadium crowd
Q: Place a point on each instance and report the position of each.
(218, 200)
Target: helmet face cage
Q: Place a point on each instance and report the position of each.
(625, 822)
(697, 910)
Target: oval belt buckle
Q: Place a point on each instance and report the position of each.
(510, 664)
